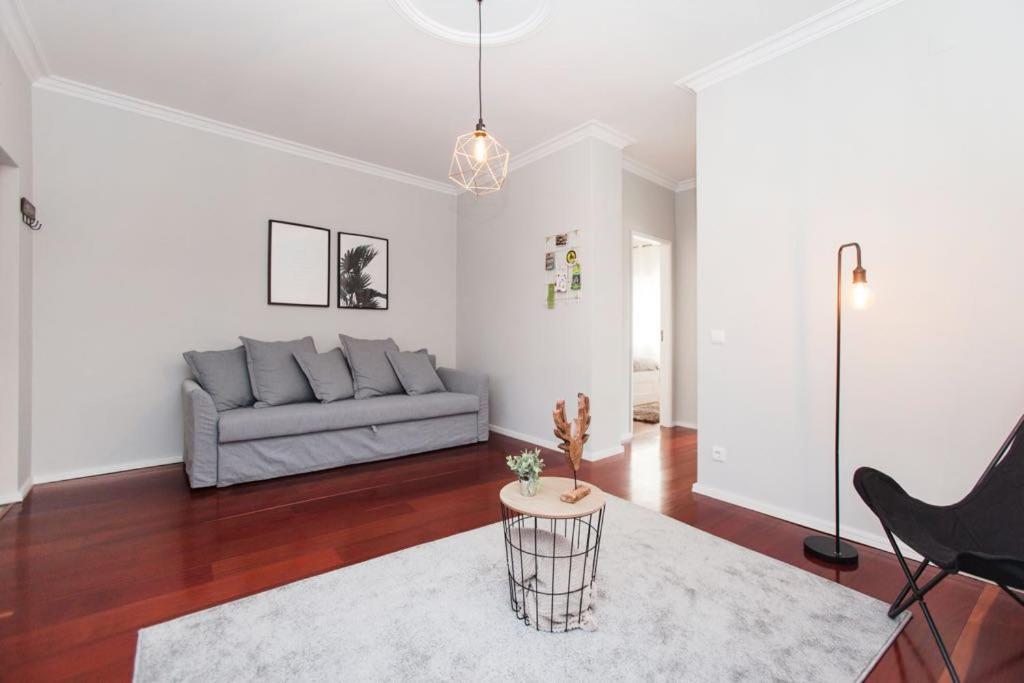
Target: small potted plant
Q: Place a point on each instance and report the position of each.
(527, 466)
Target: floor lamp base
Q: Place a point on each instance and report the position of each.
(824, 548)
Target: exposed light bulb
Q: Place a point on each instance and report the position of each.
(861, 294)
(480, 149)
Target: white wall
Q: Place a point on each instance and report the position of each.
(156, 243)
(648, 208)
(684, 269)
(902, 131)
(610, 365)
(15, 277)
(535, 356)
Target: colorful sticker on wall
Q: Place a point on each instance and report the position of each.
(562, 240)
(561, 280)
(549, 261)
(570, 256)
(577, 277)
(551, 295)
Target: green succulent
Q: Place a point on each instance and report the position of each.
(526, 465)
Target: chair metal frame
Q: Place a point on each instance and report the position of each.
(902, 601)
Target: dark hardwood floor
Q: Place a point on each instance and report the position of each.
(84, 564)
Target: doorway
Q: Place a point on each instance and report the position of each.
(651, 335)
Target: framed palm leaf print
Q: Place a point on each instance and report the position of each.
(362, 271)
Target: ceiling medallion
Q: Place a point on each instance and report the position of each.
(515, 20)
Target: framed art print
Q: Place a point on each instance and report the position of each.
(362, 271)
(298, 264)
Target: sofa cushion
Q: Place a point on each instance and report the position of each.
(328, 374)
(244, 424)
(415, 372)
(432, 357)
(224, 375)
(372, 373)
(276, 377)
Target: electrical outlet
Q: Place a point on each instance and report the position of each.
(718, 337)
(718, 453)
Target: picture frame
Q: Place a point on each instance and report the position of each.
(362, 268)
(298, 264)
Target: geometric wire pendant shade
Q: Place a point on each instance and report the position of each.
(479, 163)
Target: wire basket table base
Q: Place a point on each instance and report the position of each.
(552, 565)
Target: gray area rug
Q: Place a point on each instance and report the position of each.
(673, 604)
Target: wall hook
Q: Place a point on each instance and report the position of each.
(28, 215)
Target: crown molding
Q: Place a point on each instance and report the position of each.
(590, 129)
(408, 10)
(831, 20)
(91, 93)
(688, 184)
(20, 34)
(647, 173)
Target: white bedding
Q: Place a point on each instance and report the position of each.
(646, 386)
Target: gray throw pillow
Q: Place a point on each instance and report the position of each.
(328, 374)
(276, 377)
(224, 375)
(432, 357)
(372, 373)
(415, 372)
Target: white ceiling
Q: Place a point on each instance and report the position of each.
(359, 78)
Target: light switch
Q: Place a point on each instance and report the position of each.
(717, 336)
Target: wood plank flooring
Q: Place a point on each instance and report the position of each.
(84, 564)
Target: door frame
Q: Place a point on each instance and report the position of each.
(665, 362)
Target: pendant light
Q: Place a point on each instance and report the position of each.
(479, 163)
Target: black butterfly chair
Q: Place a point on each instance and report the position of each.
(982, 535)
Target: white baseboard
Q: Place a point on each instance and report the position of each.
(626, 438)
(683, 423)
(592, 456)
(104, 469)
(553, 445)
(529, 438)
(818, 524)
(17, 496)
(26, 487)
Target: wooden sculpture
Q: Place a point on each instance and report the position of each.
(572, 437)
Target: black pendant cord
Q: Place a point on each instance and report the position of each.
(480, 62)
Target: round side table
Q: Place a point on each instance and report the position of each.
(551, 549)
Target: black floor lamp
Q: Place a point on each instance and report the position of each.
(833, 548)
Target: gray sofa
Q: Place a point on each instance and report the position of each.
(249, 444)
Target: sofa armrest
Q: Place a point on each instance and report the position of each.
(476, 383)
(200, 435)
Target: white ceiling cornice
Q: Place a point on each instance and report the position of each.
(183, 118)
(833, 19)
(590, 129)
(647, 173)
(688, 184)
(18, 29)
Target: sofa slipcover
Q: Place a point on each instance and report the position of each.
(245, 424)
(248, 444)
